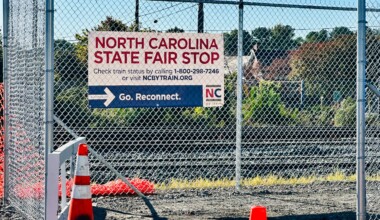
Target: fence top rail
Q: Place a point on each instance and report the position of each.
(275, 5)
(69, 149)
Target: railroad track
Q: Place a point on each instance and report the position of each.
(208, 134)
(210, 153)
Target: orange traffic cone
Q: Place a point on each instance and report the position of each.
(258, 213)
(81, 204)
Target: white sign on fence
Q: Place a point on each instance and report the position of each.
(148, 69)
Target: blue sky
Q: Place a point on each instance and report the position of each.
(72, 15)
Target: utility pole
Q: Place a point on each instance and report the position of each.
(200, 18)
(137, 22)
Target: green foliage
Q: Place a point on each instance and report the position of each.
(373, 39)
(115, 116)
(346, 113)
(231, 43)
(217, 116)
(67, 64)
(280, 37)
(74, 99)
(315, 37)
(340, 31)
(323, 35)
(263, 106)
(262, 36)
(72, 103)
(326, 67)
(175, 30)
(372, 119)
(317, 116)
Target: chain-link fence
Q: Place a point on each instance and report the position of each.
(307, 130)
(297, 154)
(298, 99)
(24, 182)
(372, 114)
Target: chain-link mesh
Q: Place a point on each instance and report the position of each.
(372, 113)
(25, 100)
(154, 143)
(299, 101)
(298, 108)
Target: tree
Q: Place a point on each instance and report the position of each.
(326, 67)
(262, 36)
(279, 68)
(346, 114)
(67, 64)
(282, 38)
(231, 43)
(263, 106)
(340, 31)
(315, 37)
(372, 54)
(175, 30)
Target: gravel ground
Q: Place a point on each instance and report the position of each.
(322, 201)
(318, 201)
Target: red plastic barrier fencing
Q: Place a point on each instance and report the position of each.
(31, 191)
(116, 187)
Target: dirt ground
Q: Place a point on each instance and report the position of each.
(317, 201)
(322, 201)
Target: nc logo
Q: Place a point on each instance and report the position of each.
(211, 93)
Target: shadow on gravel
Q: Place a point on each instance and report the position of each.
(324, 216)
(231, 218)
(101, 214)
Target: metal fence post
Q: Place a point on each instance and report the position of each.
(360, 111)
(49, 91)
(201, 17)
(239, 96)
(6, 92)
(137, 16)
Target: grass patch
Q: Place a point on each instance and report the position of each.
(373, 178)
(196, 184)
(269, 180)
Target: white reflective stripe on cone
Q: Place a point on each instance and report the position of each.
(81, 192)
(83, 167)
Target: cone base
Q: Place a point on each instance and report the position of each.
(258, 213)
(81, 209)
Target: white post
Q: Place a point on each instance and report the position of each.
(63, 186)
